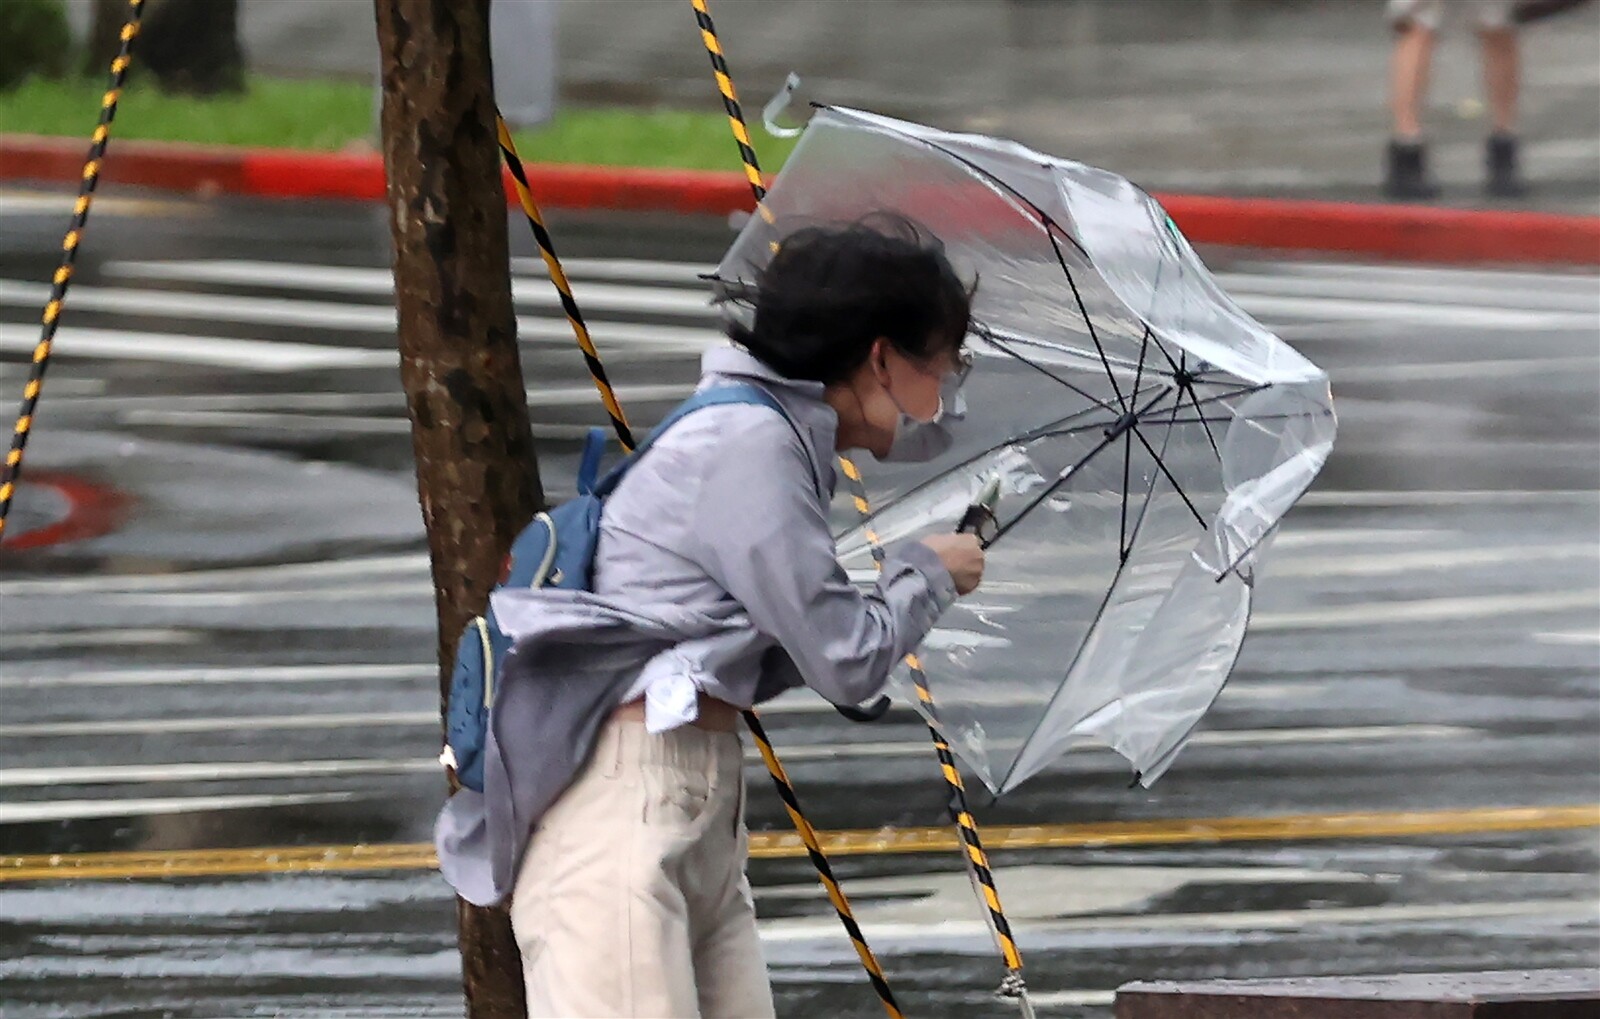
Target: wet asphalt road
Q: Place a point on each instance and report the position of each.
(243, 659)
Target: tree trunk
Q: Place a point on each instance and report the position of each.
(476, 473)
(189, 46)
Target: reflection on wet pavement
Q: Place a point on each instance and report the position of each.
(247, 659)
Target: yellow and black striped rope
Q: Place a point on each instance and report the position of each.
(69, 254)
(730, 99)
(791, 802)
(976, 858)
(558, 276)
(819, 860)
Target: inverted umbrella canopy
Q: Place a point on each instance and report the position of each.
(1148, 435)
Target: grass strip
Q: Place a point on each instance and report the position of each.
(333, 115)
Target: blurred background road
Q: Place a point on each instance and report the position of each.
(218, 624)
(244, 657)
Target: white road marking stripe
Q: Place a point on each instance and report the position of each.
(1442, 370)
(795, 929)
(1493, 279)
(1067, 999)
(1579, 638)
(1453, 293)
(347, 424)
(219, 599)
(97, 638)
(68, 810)
(252, 723)
(633, 269)
(252, 576)
(217, 351)
(278, 311)
(575, 395)
(1425, 610)
(1207, 738)
(358, 673)
(1299, 538)
(200, 771)
(1384, 564)
(204, 771)
(395, 424)
(291, 274)
(1382, 498)
(339, 279)
(1267, 306)
(33, 203)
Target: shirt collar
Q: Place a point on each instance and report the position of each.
(802, 398)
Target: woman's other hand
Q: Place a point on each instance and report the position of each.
(962, 556)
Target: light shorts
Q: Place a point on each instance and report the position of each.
(1486, 14)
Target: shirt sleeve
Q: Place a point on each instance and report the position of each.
(762, 534)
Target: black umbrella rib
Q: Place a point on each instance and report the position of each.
(1041, 369)
(1112, 435)
(1229, 420)
(1189, 389)
(1172, 480)
(1138, 373)
(1127, 460)
(1241, 391)
(1045, 431)
(1088, 323)
(1127, 449)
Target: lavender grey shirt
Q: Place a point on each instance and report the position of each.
(715, 573)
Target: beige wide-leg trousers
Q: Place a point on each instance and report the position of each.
(632, 900)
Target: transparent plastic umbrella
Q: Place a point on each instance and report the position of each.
(1148, 436)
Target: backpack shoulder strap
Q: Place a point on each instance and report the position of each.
(715, 396)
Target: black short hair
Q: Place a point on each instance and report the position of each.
(830, 291)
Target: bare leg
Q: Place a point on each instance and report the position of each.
(1502, 74)
(1408, 79)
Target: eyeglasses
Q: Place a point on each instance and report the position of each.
(965, 359)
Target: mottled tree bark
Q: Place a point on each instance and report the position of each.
(476, 474)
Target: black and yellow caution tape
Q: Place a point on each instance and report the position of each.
(547, 250)
(977, 859)
(819, 860)
(12, 471)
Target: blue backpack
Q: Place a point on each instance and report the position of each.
(555, 550)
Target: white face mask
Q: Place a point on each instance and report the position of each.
(916, 441)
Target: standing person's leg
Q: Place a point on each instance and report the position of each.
(600, 915)
(729, 968)
(1502, 79)
(1415, 24)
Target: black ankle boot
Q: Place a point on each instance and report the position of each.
(1407, 175)
(1504, 179)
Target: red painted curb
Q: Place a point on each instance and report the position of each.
(92, 510)
(1383, 231)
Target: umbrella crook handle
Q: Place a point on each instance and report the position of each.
(980, 516)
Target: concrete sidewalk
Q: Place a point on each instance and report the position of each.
(1290, 100)
(1267, 98)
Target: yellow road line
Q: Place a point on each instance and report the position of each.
(772, 845)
